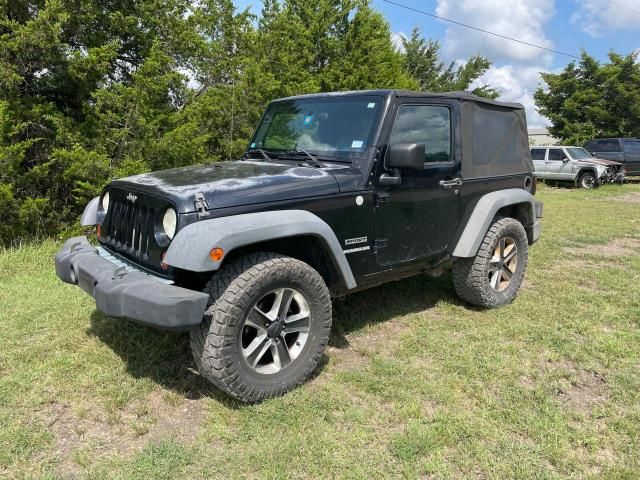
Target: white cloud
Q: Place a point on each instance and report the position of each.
(396, 39)
(520, 19)
(597, 17)
(517, 84)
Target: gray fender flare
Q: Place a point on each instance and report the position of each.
(483, 214)
(90, 214)
(190, 248)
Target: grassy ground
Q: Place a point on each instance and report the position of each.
(415, 383)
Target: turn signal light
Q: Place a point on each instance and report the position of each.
(216, 254)
(163, 265)
(98, 231)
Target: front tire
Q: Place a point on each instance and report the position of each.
(493, 277)
(588, 180)
(266, 328)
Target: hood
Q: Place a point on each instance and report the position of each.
(601, 161)
(233, 183)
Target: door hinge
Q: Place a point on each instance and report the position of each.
(379, 244)
(382, 198)
(201, 204)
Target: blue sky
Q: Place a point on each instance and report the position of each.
(598, 26)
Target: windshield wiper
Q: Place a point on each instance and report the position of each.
(261, 152)
(313, 158)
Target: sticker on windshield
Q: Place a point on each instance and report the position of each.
(308, 119)
(372, 105)
(253, 145)
(357, 144)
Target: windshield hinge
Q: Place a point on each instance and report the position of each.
(201, 204)
(382, 198)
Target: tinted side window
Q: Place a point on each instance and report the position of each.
(611, 145)
(538, 153)
(426, 124)
(632, 146)
(556, 154)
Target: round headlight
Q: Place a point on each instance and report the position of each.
(169, 222)
(105, 202)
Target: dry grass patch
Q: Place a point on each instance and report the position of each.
(617, 248)
(630, 197)
(124, 432)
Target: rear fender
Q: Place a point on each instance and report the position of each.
(484, 213)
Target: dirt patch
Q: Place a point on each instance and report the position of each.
(347, 358)
(124, 432)
(580, 389)
(630, 197)
(618, 248)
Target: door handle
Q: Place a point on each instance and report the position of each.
(455, 182)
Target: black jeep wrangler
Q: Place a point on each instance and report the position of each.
(336, 193)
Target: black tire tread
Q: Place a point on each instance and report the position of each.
(469, 279)
(228, 290)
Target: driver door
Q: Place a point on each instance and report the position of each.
(417, 218)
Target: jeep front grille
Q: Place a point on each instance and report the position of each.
(129, 228)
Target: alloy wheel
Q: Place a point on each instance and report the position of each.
(276, 330)
(503, 264)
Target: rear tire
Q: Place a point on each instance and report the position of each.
(266, 328)
(493, 277)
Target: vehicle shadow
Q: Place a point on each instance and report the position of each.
(165, 357)
(380, 304)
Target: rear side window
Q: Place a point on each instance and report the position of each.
(556, 154)
(610, 145)
(538, 153)
(632, 146)
(426, 124)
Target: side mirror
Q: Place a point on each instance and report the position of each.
(407, 156)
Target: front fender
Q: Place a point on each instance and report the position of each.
(484, 213)
(190, 248)
(90, 213)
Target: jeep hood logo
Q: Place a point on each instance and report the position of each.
(132, 198)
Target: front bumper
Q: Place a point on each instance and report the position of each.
(122, 292)
(612, 176)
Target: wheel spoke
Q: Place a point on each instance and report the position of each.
(256, 349)
(257, 319)
(299, 322)
(280, 353)
(512, 253)
(502, 244)
(270, 316)
(285, 296)
(495, 279)
(506, 273)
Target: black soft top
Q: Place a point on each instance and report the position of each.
(494, 137)
(464, 96)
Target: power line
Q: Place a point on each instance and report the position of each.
(480, 29)
(624, 6)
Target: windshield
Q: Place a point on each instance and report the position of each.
(339, 127)
(577, 153)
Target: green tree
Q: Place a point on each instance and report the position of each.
(422, 59)
(92, 90)
(590, 99)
